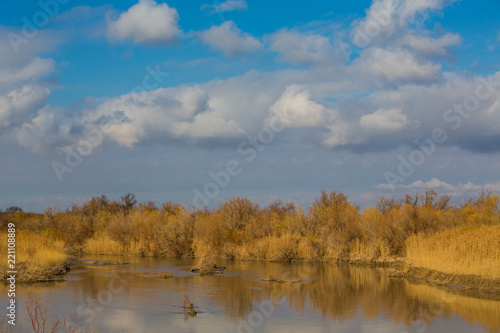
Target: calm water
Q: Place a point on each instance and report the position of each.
(331, 298)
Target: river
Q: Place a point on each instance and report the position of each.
(327, 298)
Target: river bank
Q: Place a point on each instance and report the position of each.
(419, 232)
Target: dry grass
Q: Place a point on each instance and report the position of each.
(367, 251)
(463, 251)
(164, 275)
(284, 248)
(287, 247)
(208, 267)
(256, 250)
(103, 244)
(38, 251)
(428, 230)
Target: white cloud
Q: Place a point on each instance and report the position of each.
(146, 22)
(40, 133)
(180, 115)
(299, 48)
(23, 85)
(387, 120)
(389, 18)
(296, 109)
(46, 41)
(399, 65)
(222, 112)
(227, 6)
(20, 104)
(166, 115)
(408, 9)
(432, 46)
(229, 39)
(31, 71)
(358, 105)
(460, 189)
(340, 134)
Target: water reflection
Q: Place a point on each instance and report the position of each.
(331, 297)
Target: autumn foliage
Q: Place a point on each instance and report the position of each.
(331, 229)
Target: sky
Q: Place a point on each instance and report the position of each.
(198, 101)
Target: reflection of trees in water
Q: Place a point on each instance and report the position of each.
(336, 292)
(438, 301)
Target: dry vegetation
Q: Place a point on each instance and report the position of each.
(189, 309)
(43, 321)
(424, 228)
(39, 256)
(166, 275)
(208, 266)
(467, 250)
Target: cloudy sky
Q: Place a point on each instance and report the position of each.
(195, 101)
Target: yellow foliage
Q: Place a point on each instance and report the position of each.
(331, 229)
(103, 244)
(465, 250)
(36, 250)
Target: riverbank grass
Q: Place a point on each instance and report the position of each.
(39, 256)
(459, 251)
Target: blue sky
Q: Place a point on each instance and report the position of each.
(162, 98)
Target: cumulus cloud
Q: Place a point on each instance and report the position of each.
(399, 65)
(24, 87)
(230, 40)
(20, 104)
(165, 115)
(43, 132)
(298, 48)
(340, 134)
(146, 22)
(387, 97)
(296, 108)
(386, 19)
(222, 112)
(181, 115)
(387, 120)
